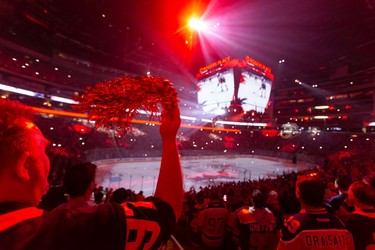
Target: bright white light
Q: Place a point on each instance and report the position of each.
(197, 24)
(322, 107)
(319, 117)
(17, 90)
(188, 118)
(257, 124)
(35, 94)
(206, 120)
(62, 99)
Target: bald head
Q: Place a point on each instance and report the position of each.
(25, 165)
(16, 129)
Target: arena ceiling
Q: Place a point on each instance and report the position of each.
(314, 37)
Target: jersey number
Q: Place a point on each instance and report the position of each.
(141, 234)
(261, 241)
(215, 225)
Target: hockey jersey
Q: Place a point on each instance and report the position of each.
(315, 229)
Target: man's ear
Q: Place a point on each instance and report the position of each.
(22, 169)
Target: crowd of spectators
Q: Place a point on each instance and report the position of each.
(339, 156)
(281, 198)
(279, 193)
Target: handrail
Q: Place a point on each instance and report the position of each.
(175, 241)
(172, 244)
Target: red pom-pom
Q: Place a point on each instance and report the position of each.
(113, 104)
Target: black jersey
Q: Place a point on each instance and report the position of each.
(212, 222)
(138, 225)
(19, 226)
(361, 224)
(315, 229)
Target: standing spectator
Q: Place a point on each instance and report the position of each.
(23, 178)
(120, 195)
(140, 196)
(212, 221)
(273, 205)
(339, 203)
(313, 227)
(361, 223)
(243, 203)
(79, 183)
(54, 197)
(194, 228)
(98, 197)
(257, 225)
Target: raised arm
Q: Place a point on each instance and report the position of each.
(170, 184)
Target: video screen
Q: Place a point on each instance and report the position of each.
(254, 91)
(215, 92)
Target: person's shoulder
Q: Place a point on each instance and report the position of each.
(303, 221)
(339, 197)
(292, 227)
(213, 206)
(298, 216)
(18, 226)
(336, 200)
(18, 235)
(358, 217)
(268, 211)
(245, 216)
(21, 217)
(151, 207)
(300, 221)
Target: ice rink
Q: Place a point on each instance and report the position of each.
(141, 174)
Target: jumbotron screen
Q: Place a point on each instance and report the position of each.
(215, 92)
(234, 82)
(254, 91)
